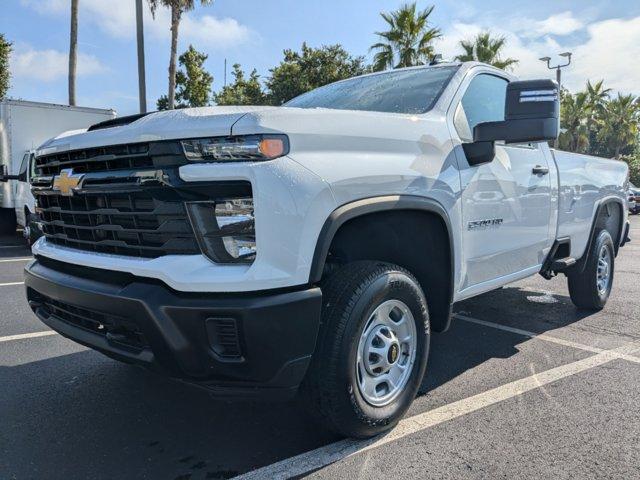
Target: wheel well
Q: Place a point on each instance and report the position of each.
(609, 217)
(416, 240)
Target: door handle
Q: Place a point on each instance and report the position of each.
(540, 170)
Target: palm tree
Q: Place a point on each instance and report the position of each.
(408, 41)
(178, 7)
(485, 48)
(597, 97)
(73, 52)
(574, 114)
(619, 123)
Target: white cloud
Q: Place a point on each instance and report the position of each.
(214, 32)
(608, 53)
(611, 53)
(117, 19)
(560, 24)
(50, 65)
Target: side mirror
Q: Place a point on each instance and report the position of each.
(478, 153)
(4, 177)
(532, 112)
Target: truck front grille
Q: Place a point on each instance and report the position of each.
(131, 223)
(129, 199)
(113, 157)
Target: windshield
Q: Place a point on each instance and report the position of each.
(404, 91)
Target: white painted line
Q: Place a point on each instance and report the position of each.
(24, 336)
(13, 246)
(11, 283)
(323, 456)
(526, 333)
(21, 259)
(542, 336)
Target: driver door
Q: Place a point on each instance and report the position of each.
(506, 207)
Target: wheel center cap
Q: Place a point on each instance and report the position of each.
(393, 353)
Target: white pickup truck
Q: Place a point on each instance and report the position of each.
(315, 247)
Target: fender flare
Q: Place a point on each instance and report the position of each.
(365, 206)
(602, 205)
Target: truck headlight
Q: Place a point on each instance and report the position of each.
(225, 229)
(234, 149)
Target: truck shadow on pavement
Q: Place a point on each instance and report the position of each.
(81, 415)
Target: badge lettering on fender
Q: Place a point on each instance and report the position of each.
(484, 224)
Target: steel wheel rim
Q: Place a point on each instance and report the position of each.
(603, 271)
(386, 353)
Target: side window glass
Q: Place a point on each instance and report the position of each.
(24, 165)
(32, 166)
(483, 101)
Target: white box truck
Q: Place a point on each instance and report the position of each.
(24, 126)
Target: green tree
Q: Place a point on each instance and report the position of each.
(597, 97)
(487, 49)
(618, 125)
(311, 68)
(243, 91)
(574, 112)
(408, 41)
(633, 161)
(193, 85)
(177, 7)
(5, 74)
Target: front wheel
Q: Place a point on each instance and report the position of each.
(31, 232)
(373, 349)
(590, 289)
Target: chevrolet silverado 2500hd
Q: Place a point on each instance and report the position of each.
(314, 247)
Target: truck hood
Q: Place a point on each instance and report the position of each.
(166, 125)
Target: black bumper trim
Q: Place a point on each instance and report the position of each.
(277, 331)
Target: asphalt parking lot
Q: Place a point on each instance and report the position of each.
(522, 386)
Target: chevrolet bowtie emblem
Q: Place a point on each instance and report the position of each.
(67, 182)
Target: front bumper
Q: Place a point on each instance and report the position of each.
(234, 344)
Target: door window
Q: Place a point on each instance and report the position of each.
(32, 166)
(484, 101)
(24, 165)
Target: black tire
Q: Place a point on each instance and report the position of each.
(583, 287)
(7, 220)
(31, 231)
(330, 390)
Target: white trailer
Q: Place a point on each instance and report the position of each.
(24, 126)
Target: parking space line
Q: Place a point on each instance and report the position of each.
(543, 336)
(21, 259)
(13, 246)
(11, 283)
(23, 336)
(321, 457)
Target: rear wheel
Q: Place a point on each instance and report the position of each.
(372, 353)
(591, 288)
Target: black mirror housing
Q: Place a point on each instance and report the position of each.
(478, 153)
(532, 110)
(4, 177)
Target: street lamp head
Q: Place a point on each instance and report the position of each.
(545, 59)
(566, 54)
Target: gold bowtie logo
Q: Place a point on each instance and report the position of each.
(67, 182)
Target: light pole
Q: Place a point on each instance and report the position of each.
(142, 84)
(558, 68)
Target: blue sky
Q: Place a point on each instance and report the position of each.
(604, 36)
